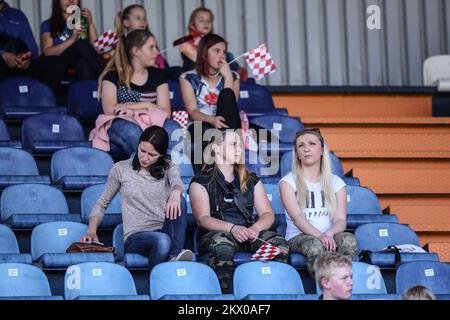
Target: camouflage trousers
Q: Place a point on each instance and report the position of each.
(221, 247)
(312, 248)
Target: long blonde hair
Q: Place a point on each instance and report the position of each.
(121, 61)
(243, 173)
(326, 175)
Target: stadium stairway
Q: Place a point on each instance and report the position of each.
(395, 147)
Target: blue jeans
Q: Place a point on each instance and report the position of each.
(125, 134)
(159, 245)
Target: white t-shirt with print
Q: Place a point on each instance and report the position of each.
(315, 210)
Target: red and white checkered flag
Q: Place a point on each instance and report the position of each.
(267, 252)
(260, 62)
(106, 42)
(182, 117)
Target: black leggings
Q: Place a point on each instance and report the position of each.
(227, 108)
(86, 61)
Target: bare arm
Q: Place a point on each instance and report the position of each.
(340, 216)
(49, 49)
(189, 51)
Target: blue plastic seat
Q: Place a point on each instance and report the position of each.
(22, 282)
(113, 214)
(99, 281)
(281, 127)
(9, 249)
(186, 170)
(431, 274)
(377, 236)
(49, 242)
(254, 96)
(184, 280)
(255, 279)
(5, 138)
(363, 207)
(46, 133)
(176, 100)
(176, 134)
(83, 100)
(22, 97)
(78, 168)
(24, 206)
(18, 166)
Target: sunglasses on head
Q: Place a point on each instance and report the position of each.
(304, 131)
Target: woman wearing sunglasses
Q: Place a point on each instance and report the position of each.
(315, 202)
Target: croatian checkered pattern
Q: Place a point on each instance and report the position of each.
(260, 62)
(106, 42)
(266, 253)
(181, 117)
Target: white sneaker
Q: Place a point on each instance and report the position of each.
(184, 255)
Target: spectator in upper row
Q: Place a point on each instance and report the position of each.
(131, 85)
(19, 53)
(59, 39)
(315, 202)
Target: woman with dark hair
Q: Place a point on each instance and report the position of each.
(76, 51)
(150, 193)
(210, 92)
(130, 85)
(224, 196)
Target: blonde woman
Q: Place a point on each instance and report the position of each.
(223, 197)
(315, 202)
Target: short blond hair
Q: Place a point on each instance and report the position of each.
(418, 293)
(324, 266)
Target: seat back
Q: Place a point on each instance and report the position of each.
(17, 162)
(186, 170)
(176, 100)
(22, 280)
(336, 164)
(32, 199)
(25, 92)
(8, 241)
(266, 278)
(273, 194)
(98, 279)
(4, 133)
(283, 127)
(287, 158)
(175, 137)
(377, 236)
(90, 196)
(361, 200)
(55, 237)
(436, 68)
(83, 99)
(80, 162)
(254, 96)
(51, 128)
(118, 242)
(431, 274)
(182, 278)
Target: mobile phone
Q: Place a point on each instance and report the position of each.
(98, 242)
(26, 55)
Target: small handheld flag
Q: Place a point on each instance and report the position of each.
(260, 61)
(106, 42)
(267, 252)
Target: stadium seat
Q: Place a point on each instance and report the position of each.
(18, 166)
(186, 170)
(78, 168)
(185, 280)
(130, 260)
(254, 96)
(375, 237)
(9, 249)
(45, 133)
(24, 206)
(431, 274)
(436, 69)
(49, 242)
(83, 100)
(175, 137)
(22, 97)
(363, 207)
(100, 281)
(113, 214)
(256, 279)
(5, 138)
(24, 282)
(281, 127)
(265, 166)
(176, 100)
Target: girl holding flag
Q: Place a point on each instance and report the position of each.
(223, 197)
